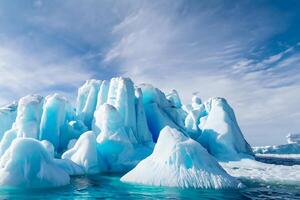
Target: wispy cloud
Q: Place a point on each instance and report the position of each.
(214, 48)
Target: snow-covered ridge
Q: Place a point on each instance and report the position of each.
(118, 127)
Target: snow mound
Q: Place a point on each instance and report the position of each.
(84, 153)
(178, 161)
(27, 164)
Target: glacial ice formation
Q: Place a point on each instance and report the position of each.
(26, 163)
(160, 112)
(114, 128)
(53, 118)
(87, 101)
(179, 161)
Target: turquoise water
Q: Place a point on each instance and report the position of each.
(109, 187)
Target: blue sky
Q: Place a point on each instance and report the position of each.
(245, 51)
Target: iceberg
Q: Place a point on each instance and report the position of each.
(221, 135)
(27, 164)
(178, 161)
(120, 127)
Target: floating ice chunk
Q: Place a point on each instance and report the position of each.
(179, 161)
(114, 143)
(87, 101)
(84, 153)
(29, 116)
(270, 173)
(27, 164)
(8, 115)
(221, 135)
(53, 119)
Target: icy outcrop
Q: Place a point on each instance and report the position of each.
(28, 118)
(27, 164)
(160, 112)
(8, 116)
(53, 119)
(87, 101)
(85, 154)
(114, 143)
(221, 135)
(179, 161)
(143, 135)
(126, 121)
(121, 94)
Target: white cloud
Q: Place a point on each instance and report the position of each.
(23, 73)
(198, 52)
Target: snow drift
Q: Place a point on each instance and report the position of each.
(179, 161)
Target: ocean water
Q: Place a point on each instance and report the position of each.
(108, 186)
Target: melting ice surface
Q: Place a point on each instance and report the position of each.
(149, 137)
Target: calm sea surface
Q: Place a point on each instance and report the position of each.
(109, 187)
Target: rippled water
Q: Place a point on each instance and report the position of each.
(109, 187)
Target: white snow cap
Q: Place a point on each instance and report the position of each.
(179, 161)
